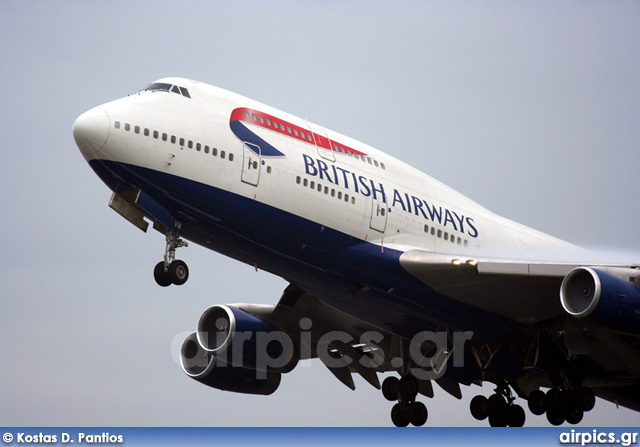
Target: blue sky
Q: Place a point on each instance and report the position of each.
(531, 108)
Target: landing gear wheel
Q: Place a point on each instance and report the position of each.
(497, 404)
(574, 414)
(418, 413)
(408, 388)
(390, 388)
(398, 417)
(161, 277)
(536, 402)
(585, 398)
(515, 416)
(178, 272)
(556, 400)
(555, 417)
(479, 407)
(498, 419)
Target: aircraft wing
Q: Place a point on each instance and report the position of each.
(525, 291)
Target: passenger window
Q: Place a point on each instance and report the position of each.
(439, 233)
(375, 162)
(136, 129)
(261, 119)
(198, 147)
(181, 141)
(326, 190)
(173, 139)
(253, 115)
(433, 231)
(305, 182)
(206, 149)
(346, 197)
(155, 134)
(426, 228)
(117, 124)
(382, 165)
(255, 164)
(312, 185)
(230, 157)
(268, 167)
(222, 154)
(298, 180)
(339, 195)
(309, 137)
(214, 152)
(282, 127)
(268, 121)
(353, 200)
(190, 144)
(164, 137)
(146, 132)
(185, 92)
(288, 129)
(295, 132)
(446, 236)
(246, 115)
(333, 192)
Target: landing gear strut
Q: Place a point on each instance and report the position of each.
(171, 270)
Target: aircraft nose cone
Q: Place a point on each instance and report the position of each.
(91, 131)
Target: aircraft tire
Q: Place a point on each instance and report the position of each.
(178, 272)
(390, 388)
(418, 413)
(479, 407)
(536, 402)
(161, 277)
(398, 416)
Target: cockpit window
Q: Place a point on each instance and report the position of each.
(160, 86)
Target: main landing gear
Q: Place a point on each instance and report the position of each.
(407, 410)
(499, 408)
(568, 400)
(171, 270)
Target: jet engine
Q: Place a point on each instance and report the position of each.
(602, 299)
(204, 367)
(244, 340)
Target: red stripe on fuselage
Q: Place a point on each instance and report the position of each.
(288, 129)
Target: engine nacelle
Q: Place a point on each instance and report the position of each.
(244, 340)
(601, 299)
(204, 367)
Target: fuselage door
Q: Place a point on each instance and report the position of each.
(378, 214)
(251, 163)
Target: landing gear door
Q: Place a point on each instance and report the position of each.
(378, 215)
(251, 163)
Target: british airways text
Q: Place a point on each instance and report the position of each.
(409, 203)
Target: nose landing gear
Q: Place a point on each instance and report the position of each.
(171, 270)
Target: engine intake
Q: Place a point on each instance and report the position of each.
(204, 367)
(601, 299)
(245, 340)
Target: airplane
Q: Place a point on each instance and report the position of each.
(389, 270)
